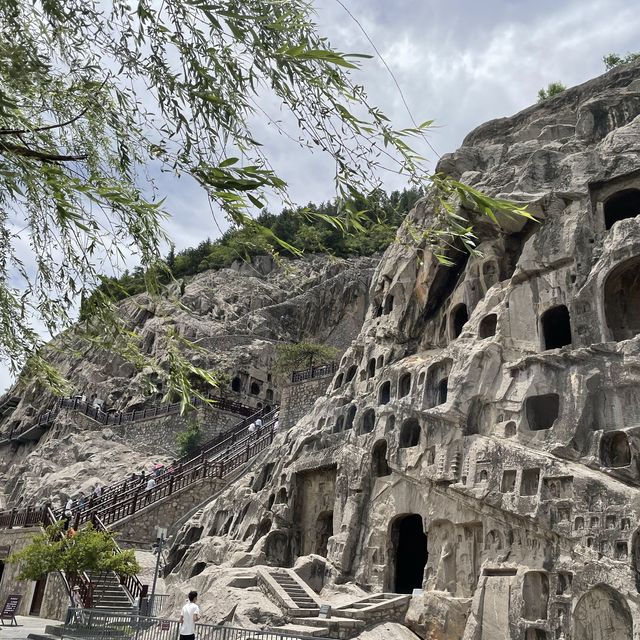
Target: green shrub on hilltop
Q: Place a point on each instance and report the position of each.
(384, 214)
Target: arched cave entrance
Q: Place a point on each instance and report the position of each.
(255, 389)
(351, 373)
(488, 326)
(602, 614)
(459, 317)
(236, 384)
(324, 530)
(622, 300)
(542, 411)
(555, 325)
(615, 450)
(409, 433)
(379, 464)
(404, 386)
(368, 421)
(371, 368)
(384, 394)
(621, 205)
(338, 382)
(351, 416)
(409, 553)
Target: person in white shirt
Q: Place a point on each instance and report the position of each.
(151, 483)
(188, 618)
(259, 424)
(252, 427)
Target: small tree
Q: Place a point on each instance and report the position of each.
(189, 440)
(302, 355)
(612, 60)
(553, 89)
(88, 550)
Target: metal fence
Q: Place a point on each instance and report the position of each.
(95, 624)
(315, 372)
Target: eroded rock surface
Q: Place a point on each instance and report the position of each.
(480, 439)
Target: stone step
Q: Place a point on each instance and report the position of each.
(303, 630)
(347, 623)
(304, 612)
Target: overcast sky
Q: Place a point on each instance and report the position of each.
(460, 63)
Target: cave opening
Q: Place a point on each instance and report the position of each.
(409, 553)
(555, 324)
(621, 205)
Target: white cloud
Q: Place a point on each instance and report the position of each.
(460, 63)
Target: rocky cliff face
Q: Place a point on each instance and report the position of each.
(480, 438)
(236, 316)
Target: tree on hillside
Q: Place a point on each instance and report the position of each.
(88, 550)
(553, 89)
(94, 94)
(612, 60)
(303, 355)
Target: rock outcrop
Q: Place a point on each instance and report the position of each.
(235, 316)
(480, 440)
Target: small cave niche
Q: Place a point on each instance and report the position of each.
(563, 586)
(197, 569)
(622, 300)
(379, 464)
(338, 426)
(254, 389)
(542, 411)
(236, 384)
(388, 305)
(371, 368)
(263, 477)
(409, 433)
(272, 499)
(476, 417)
(510, 429)
(437, 383)
(555, 326)
(368, 421)
(615, 450)
(282, 496)
(490, 273)
(338, 383)
(277, 549)
(380, 362)
(508, 484)
(533, 633)
(384, 393)
(421, 378)
(535, 595)
(530, 481)
(621, 205)
(351, 372)
(404, 385)
(324, 530)
(269, 395)
(488, 326)
(459, 317)
(390, 424)
(351, 416)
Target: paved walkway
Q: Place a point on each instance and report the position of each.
(28, 624)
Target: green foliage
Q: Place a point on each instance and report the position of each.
(553, 89)
(92, 94)
(302, 355)
(87, 550)
(189, 440)
(301, 227)
(612, 60)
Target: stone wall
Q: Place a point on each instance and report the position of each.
(55, 599)
(298, 398)
(153, 436)
(140, 529)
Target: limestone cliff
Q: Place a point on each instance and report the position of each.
(236, 316)
(480, 438)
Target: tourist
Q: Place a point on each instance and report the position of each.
(188, 618)
(276, 424)
(68, 508)
(151, 483)
(252, 428)
(77, 604)
(258, 424)
(81, 501)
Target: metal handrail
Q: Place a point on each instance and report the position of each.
(320, 371)
(117, 418)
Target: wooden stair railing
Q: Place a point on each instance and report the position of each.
(118, 418)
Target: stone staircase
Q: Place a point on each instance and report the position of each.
(108, 593)
(302, 607)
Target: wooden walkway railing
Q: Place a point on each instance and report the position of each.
(315, 372)
(117, 418)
